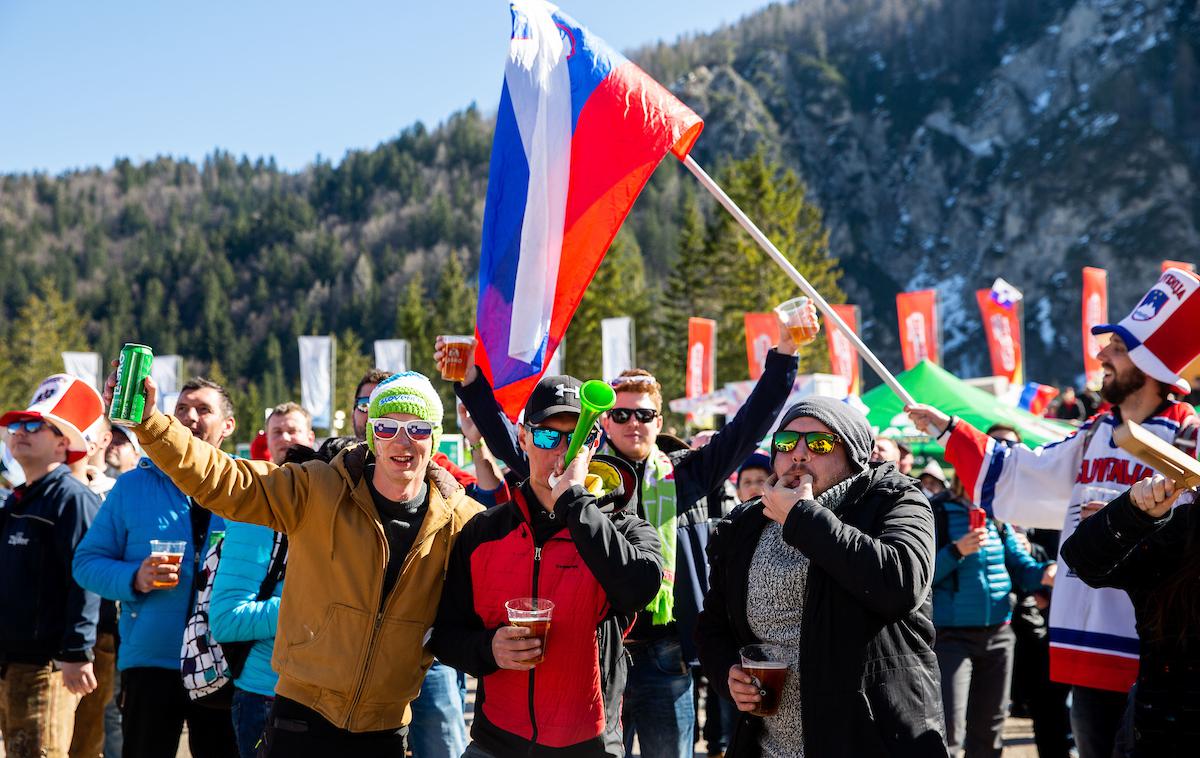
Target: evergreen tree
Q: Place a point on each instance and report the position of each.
(352, 363)
(745, 277)
(45, 326)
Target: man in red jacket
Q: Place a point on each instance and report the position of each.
(552, 542)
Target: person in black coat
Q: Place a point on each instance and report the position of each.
(834, 564)
(1137, 543)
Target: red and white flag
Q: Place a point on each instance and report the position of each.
(1095, 312)
(843, 358)
(920, 333)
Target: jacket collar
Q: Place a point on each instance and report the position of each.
(38, 488)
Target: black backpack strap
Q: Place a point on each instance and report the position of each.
(275, 569)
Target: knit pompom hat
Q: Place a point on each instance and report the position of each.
(408, 392)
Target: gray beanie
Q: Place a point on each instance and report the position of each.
(843, 420)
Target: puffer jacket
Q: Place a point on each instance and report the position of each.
(598, 568)
(342, 648)
(236, 613)
(143, 505)
(869, 681)
(976, 590)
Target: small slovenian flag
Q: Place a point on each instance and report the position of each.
(1005, 294)
(578, 133)
(1036, 398)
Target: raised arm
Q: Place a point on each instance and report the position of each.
(1026, 486)
(257, 492)
(713, 463)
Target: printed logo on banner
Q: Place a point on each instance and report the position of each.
(696, 363)
(1150, 306)
(915, 326)
(1095, 315)
(1004, 338)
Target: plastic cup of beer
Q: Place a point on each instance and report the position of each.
(768, 665)
(167, 551)
(532, 613)
(458, 349)
(1096, 494)
(800, 321)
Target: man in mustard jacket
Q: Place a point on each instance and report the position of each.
(369, 537)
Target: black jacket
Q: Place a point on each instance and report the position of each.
(869, 678)
(598, 568)
(697, 473)
(1123, 547)
(46, 615)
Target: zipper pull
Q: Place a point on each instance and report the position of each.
(537, 553)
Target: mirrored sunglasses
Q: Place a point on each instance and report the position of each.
(32, 426)
(622, 415)
(820, 443)
(387, 428)
(548, 439)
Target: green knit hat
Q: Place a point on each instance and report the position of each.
(408, 392)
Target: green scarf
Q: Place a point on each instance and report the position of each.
(658, 500)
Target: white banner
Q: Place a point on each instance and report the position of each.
(392, 355)
(85, 366)
(558, 361)
(165, 371)
(616, 338)
(316, 379)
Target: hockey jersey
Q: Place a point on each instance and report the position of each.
(1093, 642)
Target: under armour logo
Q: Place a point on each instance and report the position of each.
(562, 390)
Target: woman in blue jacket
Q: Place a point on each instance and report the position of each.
(973, 578)
(236, 614)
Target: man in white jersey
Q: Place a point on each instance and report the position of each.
(1093, 643)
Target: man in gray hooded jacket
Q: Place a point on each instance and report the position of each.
(833, 564)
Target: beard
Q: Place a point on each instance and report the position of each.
(1122, 385)
(791, 477)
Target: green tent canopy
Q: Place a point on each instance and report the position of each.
(932, 385)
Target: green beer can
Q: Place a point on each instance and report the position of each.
(129, 396)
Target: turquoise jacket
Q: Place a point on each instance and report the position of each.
(976, 590)
(235, 613)
(143, 505)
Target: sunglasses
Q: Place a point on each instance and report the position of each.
(548, 439)
(821, 443)
(362, 404)
(32, 426)
(388, 428)
(622, 415)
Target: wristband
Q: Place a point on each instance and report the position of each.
(476, 446)
(955, 552)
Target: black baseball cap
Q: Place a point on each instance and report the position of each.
(553, 395)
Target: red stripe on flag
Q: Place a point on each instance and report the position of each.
(966, 451)
(1096, 670)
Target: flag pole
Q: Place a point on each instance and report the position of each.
(769, 248)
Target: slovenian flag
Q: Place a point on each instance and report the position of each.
(579, 131)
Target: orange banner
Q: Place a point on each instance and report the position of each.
(920, 334)
(843, 358)
(1179, 264)
(701, 356)
(1002, 327)
(1095, 311)
(762, 334)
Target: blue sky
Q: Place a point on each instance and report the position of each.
(82, 83)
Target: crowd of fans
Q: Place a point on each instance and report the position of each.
(332, 598)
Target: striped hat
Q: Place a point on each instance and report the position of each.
(407, 392)
(1160, 334)
(72, 405)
